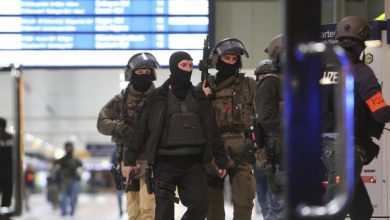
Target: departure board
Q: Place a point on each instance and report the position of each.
(100, 33)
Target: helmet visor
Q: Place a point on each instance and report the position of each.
(145, 60)
(232, 46)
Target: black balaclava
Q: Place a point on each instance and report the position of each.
(225, 70)
(353, 47)
(180, 79)
(141, 83)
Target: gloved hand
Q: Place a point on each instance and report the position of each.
(123, 129)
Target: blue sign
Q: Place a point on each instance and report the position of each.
(77, 25)
(328, 31)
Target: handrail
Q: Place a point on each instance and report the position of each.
(345, 104)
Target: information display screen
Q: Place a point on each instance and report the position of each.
(100, 33)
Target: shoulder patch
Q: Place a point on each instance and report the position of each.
(376, 102)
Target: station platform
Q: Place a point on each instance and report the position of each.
(101, 206)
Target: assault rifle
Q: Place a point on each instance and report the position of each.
(204, 65)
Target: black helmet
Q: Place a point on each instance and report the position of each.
(353, 27)
(228, 45)
(141, 60)
(275, 47)
(264, 67)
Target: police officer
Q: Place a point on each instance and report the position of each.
(118, 119)
(268, 108)
(232, 106)
(179, 136)
(370, 114)
(263, 69)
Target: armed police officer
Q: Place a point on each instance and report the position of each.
(268, 108)
(370, 114)
(118, 119)
(265, 68)
(177, 132)
(232, 106)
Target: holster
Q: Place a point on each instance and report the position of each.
(149, 180)
(134, 186)
(118, 178)
(168, 191)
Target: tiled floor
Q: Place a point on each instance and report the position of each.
(98, 207)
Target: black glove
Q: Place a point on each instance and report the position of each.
(123, 130)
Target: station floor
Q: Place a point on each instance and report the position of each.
(102, 206)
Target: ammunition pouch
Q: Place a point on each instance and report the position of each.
(249, 154)
(235, 143)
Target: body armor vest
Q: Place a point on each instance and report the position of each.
(232, 105)
(182, 122)
(131, 107)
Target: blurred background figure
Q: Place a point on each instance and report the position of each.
(53, 186)
(70, 180)
(5, 164)
(29, 182)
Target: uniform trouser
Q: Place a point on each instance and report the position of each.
(190, 180)
(140, 204)
(360, 207)
(243, 192)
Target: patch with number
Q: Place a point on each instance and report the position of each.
(376, 102)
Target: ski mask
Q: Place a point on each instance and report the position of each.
(141, 82)
(225, 70)
(180, 79)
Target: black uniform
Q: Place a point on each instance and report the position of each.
(178, 134)
(268, 108)
(370, 114)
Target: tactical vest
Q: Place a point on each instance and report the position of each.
(232, 105)
(130, 108)
(182, 125)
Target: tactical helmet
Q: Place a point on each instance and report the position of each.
(264, 67)
(275, 48)
(353, 27)
(228, 45)
(141, 60)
